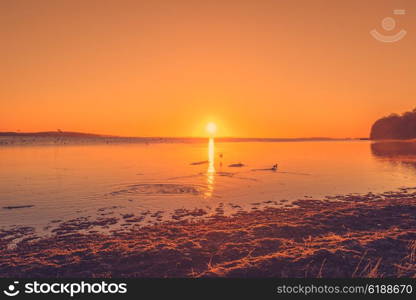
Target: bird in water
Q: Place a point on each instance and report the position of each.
(273, 168)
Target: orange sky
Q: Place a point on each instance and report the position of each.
(166, 68)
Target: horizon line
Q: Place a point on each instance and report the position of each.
(75, 133)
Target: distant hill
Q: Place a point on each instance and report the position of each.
(395, 127)
(51, 134)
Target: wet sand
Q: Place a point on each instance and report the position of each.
(345, 236)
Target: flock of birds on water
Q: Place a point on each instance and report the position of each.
(236, 165)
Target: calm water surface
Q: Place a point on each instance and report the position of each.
(64, 182)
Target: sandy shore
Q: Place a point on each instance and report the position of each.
(351, 236)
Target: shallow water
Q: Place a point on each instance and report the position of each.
(61, 182)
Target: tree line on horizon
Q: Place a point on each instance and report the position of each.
(395, 126)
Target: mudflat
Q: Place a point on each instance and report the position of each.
(350, 236)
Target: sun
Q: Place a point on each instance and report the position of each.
(211, 128)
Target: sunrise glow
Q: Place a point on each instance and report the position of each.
(211, 128)
(199, 139)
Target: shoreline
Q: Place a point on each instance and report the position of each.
(85, 139)
(350, 236)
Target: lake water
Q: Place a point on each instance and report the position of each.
(67, 181)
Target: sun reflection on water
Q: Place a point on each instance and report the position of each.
(211, 168)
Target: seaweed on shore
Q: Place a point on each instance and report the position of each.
(351, 236)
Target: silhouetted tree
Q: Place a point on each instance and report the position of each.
(395, 127)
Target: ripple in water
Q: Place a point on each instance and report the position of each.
(160, 189)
